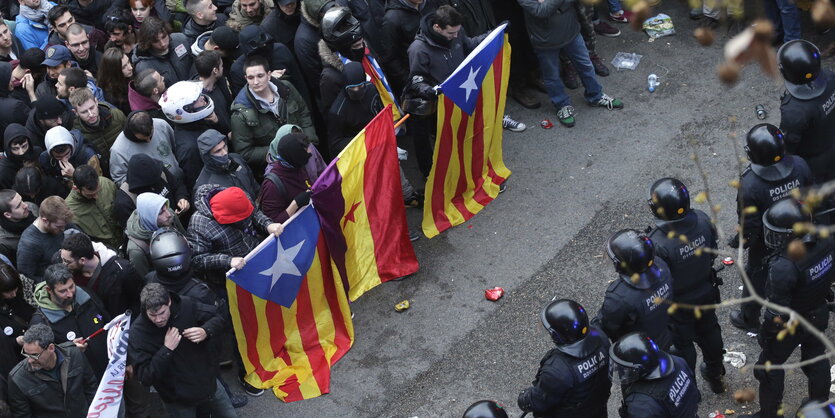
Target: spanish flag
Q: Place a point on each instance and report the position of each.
(290, 350)
(468, 166)
(360, 205)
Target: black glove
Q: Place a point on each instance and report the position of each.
(302, 198)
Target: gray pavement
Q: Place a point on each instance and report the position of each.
(570, 189)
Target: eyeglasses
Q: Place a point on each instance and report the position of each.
(31, 356)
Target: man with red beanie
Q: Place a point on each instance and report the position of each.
(224, 228)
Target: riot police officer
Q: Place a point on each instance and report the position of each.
(770, 177)
(692, 270)
(654, 383)
(800, 281)
(485, 409)
(806, 107)
(630, 300)
(573, 378)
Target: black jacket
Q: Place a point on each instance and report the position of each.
(188, 374)
(37, 394)
(12, 163)
(36, 130)
(15, 315)
(347, 117)
(478, 14)
(118, 285)
(88, 316)
(193, 29)
(305, 46)
(13, 111)
(282, 27)
(92, 14)
(400, 25)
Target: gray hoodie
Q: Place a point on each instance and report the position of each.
(234, 171)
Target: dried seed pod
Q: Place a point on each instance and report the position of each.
(745, 395)
(728, 73)
(704, 36)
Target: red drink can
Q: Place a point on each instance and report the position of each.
(494, 294)
(546, 124)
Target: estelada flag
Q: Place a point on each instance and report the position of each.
(290, 349)
(468, 166)
(360, 205)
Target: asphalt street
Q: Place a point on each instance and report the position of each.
(570, 189)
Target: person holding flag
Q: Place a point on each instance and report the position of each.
(439, 48)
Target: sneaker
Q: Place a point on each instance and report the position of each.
(566, 116)
(696, 13)
(621, 17)
(599, 67)
(608, 102)
(739, 321)
(570, 78)
(605, 29)
(249, 389)
(238, 400)
(512, 125)
(414, 235)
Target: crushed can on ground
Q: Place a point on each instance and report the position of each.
(494, 294)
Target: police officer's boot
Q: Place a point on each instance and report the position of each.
(739, 320)
(714, 378)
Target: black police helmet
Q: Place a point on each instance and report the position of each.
(340, 29)
(800, 63)
(170, 253)
(816, 409)
(669, 199)
(635, 356)
(779, 221)
(485, 409)
(630, 251)
(766, 149)
(565, 320)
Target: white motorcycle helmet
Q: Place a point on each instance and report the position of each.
(179, 102)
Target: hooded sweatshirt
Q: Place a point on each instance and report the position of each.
(12, 163)
(227, 171)
(81, 153)
(160, 148)
(141, 227)
(315, 165)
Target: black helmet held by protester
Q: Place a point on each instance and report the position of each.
(170, 253)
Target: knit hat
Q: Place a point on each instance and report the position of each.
(292, 150)
(148, 206)
(225, 38)
(32, 58)
(230, 205)
(283, 131)
(48, 107)
(144, 174)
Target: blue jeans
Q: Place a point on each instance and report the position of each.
(549, 62)
(218, 405)
(784, 15)
(614, 6)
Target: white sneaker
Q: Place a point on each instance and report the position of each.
(513, 125)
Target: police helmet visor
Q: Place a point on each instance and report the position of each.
(624, 375)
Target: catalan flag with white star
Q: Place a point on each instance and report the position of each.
(468, 166)
(360, 205)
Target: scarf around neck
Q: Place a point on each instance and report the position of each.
(37, 15)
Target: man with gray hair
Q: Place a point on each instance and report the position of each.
(168, 349)
(59, 372)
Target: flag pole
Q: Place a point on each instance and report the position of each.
(402, 120)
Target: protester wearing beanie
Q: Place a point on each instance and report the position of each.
(47, 113)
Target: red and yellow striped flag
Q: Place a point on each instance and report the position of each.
(291, 350)
(468, 166)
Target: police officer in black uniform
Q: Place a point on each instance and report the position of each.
(770, 177)
(629, 304)
(573, 378)
(801, 281)
(692, 270)
(654, 383)
(806, 109)
(485, 409)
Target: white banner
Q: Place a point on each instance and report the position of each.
(109, 395)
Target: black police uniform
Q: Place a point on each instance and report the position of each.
(571, 385)
(761, 193)
(629, 306)
(695, 284)
(803, 286)
(809, 126)
(675, 395)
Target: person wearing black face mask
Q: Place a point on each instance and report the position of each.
(19, 153)
(222, 167)
(355, 105)
(342, 42)
(286, 186)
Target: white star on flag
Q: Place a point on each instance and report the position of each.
(283, 262)
(470, 84)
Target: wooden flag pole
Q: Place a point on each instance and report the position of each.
(402, 120)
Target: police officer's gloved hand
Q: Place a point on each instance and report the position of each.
(302, 198)
(524, 400)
